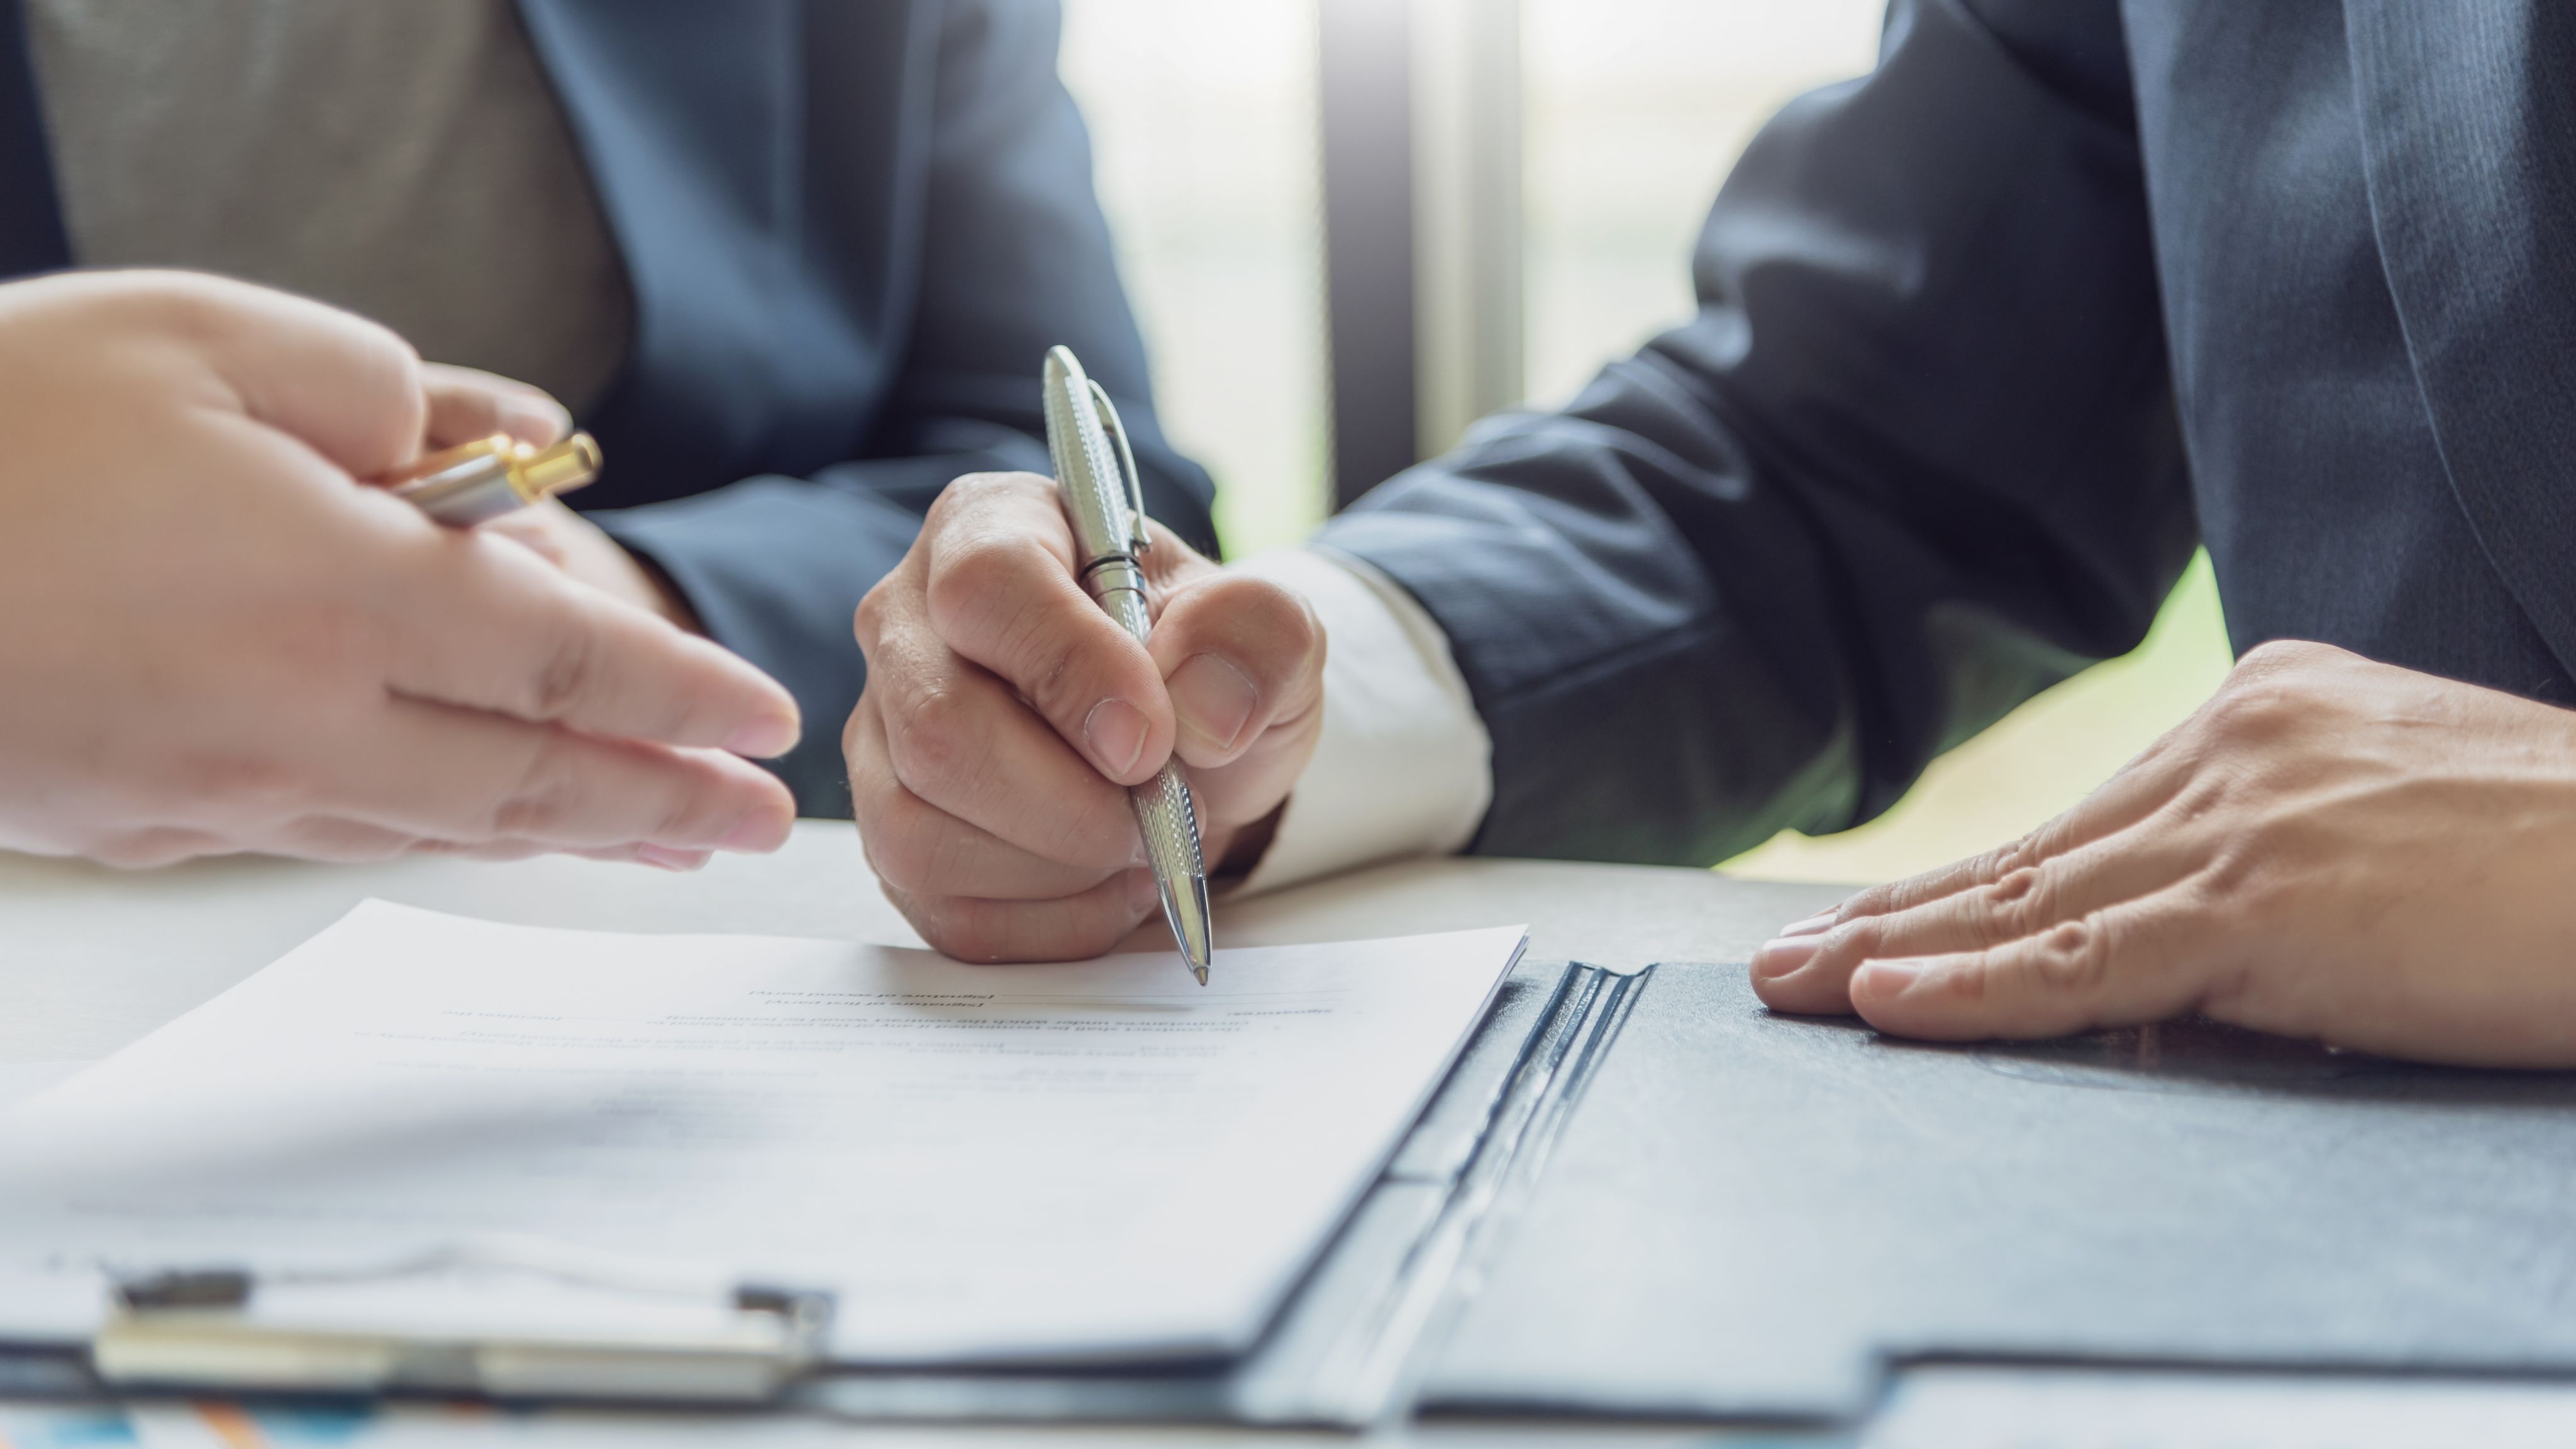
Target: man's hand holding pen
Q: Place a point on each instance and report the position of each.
(1005, 714)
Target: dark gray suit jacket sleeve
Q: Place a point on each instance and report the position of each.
(1914, 461)
(1015, 256)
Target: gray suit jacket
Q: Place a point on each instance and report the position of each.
(1987, 340)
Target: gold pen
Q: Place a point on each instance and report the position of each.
(472, 482)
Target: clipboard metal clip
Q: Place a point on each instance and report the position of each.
(494, 1319)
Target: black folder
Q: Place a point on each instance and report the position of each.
(1754, 1216)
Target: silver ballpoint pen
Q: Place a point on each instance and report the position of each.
(1104, 500)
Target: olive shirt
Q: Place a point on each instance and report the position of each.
(407, 162)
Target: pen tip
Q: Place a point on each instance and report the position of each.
(1201, 973)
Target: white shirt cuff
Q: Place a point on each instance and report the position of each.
(1403, 766)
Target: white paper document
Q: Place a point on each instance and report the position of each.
(985, 1163)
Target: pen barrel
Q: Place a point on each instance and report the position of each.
(1169, 820)
(1170, 825)
(479, 481)
(1104, 505)
(474, 491)
(1165, 814)
(1120, 587)
(1086, 443)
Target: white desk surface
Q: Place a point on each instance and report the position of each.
(91, 959)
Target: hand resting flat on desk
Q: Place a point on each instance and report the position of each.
(2331, 848)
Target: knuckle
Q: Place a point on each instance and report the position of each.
(1052, 675)
(539, 800)
(1863, 939)
(948, 851)
(898, 850)
(2234, 876)
(975, 574)
(2014, 855)
(2020, 903)
(1868, 904)
(895, 865)
(2072, 958)
(680, 816)
(2209, 789)
(881, 850)
(2276, 656)
(870, 620)
(2250, 710)
(565, 677)
(969, 494)
(930, 740)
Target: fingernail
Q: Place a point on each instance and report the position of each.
(682, 861)
(1815, 925)
(1885, 978)
(1783, 954)
(758, 833)
(1213, 698)
(1141, 893)
(764, 739)
(1115, 730)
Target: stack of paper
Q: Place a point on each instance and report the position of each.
(1091, 1161)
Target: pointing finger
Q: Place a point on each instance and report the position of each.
(466, 404)
(471, 777)
(482, 623)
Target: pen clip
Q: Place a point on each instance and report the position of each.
(1126, 467)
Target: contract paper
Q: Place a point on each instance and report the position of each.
(1100, 1160)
